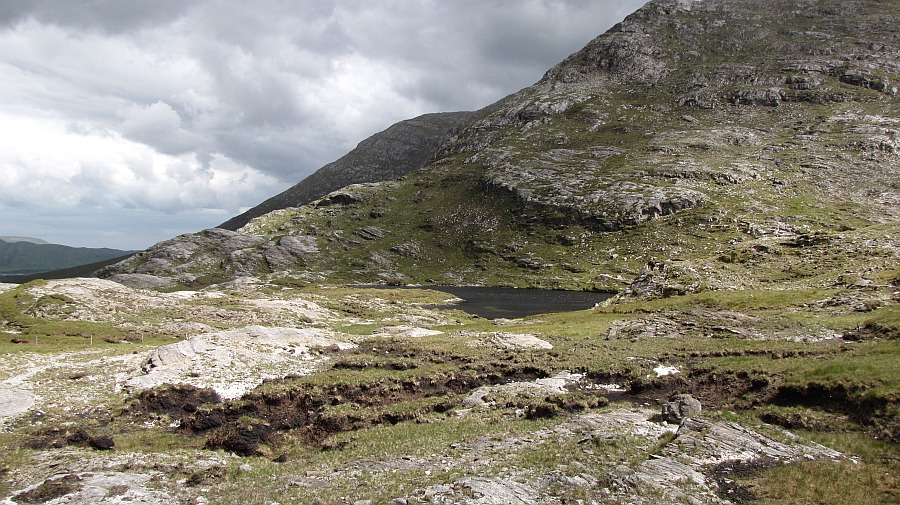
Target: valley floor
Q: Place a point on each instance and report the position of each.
(271, 392)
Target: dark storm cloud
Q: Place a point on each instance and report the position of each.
(111, 16)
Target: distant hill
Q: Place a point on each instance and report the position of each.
(23, 239)
(23, 256)
(387, 155)
(86, 270)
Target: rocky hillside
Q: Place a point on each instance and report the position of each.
(690, 132)
(399, 150)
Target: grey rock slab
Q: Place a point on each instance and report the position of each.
(710, 443)
(15, 399)
(299, 245)
(494, 491)
(179, 352)
(143, 281)
(235, 361)
(370, 233)
(520, 341)
(555, 385)
(701, 444)
(105, 488)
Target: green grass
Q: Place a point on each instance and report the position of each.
(825, 482)
(381, 453)
(885, 322)
(55, 334)
(160, 440)
(773, 300)
(11, 459)
(42, 343)
(422, 439)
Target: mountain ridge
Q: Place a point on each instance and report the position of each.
(401, 148)
(707, 110)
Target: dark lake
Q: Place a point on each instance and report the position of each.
(512, 303)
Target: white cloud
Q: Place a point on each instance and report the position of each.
(50, 167)
(159, 125)
(206, 107)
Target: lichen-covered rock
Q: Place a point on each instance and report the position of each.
(143, 281)
(291, 251)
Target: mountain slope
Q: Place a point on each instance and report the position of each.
(25, 257)
(396, 151)
(732, 145)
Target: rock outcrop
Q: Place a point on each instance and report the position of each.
(681, 472)
(235, 361)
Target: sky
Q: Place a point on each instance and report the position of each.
(127, 122)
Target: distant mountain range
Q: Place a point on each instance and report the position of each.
(27, 257)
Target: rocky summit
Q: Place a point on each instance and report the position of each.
(730, 169)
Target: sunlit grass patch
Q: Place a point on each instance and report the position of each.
(827, 482)
(867, 364)
(424, 438)
(775, 300)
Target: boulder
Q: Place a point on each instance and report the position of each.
(680, 407)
